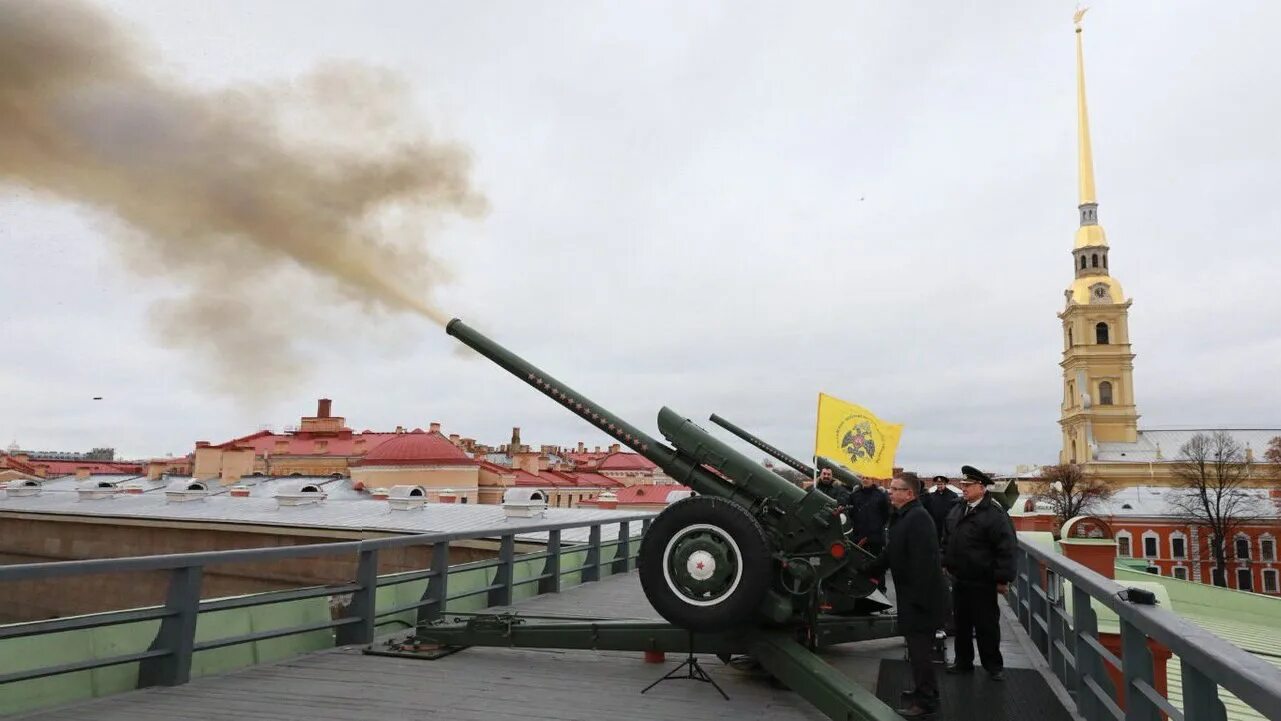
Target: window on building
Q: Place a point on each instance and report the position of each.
(1123, 545)
(1105, 393)
(1267, 550)
(1083, 262)
(1245, 580)
(1181, 573)
(1069, 337)
(1094, 260)
(1149, 547)
(1178, 547)
(1154, 570)
(1270, 581)
(1101, 333)
(1242, 548)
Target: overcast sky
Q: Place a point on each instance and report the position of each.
(730, 207)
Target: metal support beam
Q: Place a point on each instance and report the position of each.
(551, 566)
(363, 602)
(1136, 665)
(591, 569)
(177, 634)
(622, 564)
(501, 594)
(833, 693)
(438, 585)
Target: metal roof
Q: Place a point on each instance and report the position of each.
(1155, 446)
(344, 509)
(1145, 501)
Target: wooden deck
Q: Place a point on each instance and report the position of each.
(490, 684)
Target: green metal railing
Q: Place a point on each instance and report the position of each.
(168, 659)
(1069, 641)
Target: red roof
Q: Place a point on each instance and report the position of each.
(525, 478)
(594, 480)
(620, 461)
(8, 461)
(303, 443)
(417, 449)
(63, 468)
(647, 493)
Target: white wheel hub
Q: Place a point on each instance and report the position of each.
(700, 565)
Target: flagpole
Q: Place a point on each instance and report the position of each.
(818, 419)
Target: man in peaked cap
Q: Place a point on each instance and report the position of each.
(978, 554)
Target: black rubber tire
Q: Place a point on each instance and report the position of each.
(739, 607)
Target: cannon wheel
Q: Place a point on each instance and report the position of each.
(705, 564)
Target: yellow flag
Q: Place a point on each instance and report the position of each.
(854, 437)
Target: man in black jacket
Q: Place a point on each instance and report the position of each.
(939, 503)
(978, 553)
(912, 557)
(869, 510)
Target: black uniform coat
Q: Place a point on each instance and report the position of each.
(834, 492)
(939, 504)
(869, 510)
(978, 547)
(912, 556)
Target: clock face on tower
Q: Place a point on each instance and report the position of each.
(1099, 294)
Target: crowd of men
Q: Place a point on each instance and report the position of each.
(936, 544)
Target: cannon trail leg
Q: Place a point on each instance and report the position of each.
(828, 690)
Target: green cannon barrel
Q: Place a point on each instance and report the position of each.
(793, 463)
(695, 447)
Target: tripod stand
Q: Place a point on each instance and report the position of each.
(693, 672)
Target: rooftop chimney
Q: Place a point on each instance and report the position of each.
(322, 407)
(434, 427)
(515, 444)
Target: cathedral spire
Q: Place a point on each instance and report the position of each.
(1085, 158)
(1090, 232)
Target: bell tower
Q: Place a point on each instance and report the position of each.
(1098, 366)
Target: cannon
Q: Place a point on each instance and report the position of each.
(750, 547)
(750, 565)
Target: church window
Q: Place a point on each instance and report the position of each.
(1083, 262)
(1073, 458)
(1105, 393)
(1105, 260)
(1094, 260)
(1070, 344)
(1071, 394)
(1101, 334)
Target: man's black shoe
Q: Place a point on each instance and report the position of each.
(914, 710)
(997, 675)
(960, 668)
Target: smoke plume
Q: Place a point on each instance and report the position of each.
(262, 203)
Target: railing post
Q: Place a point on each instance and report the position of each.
(177, 633)
(363, 603)
(438, 585)
(622, 564)
(591, 571)
(1058, 661)
(1200, 696)
(1136, 664)
(502, 595)
(1022, 582)
(1089, 664)
(1038, 598)
(551, 566)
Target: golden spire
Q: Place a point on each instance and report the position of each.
(1085, 159)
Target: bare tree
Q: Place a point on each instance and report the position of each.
(1071, 492)
(1213, 475)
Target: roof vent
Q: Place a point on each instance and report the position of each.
(303, 495)
(24, 487)
(97, 490)
(406, 498)
(134, 489)
(607, 501)
(674, 496)
(379, 494)
(1127, 507)
(524, 502)
(186, 490)
(238, 491)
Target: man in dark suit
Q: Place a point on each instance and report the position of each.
(939, 502)
(978, 553)
(912, 557)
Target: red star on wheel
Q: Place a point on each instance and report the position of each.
(699, 565)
